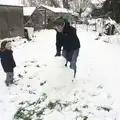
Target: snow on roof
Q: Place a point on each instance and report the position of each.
(75, 14)
(59, 10)
(97, 1)
(28, 11)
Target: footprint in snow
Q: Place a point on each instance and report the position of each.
(41, 84)
(33, 61)
(100, 87)
(38, 66)
(31, 78)
(107, 108)
(59, 88)
(25, 72)
(109, 96)
(31, 92)
(28, 85)
(94, 94)
(85, 106)
(20, 76)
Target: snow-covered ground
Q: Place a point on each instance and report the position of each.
(38, 71)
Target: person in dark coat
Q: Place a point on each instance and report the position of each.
(67, 38)
(7, 61)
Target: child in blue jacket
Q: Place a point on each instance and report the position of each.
(7, 61)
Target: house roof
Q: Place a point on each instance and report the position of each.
(59, 10)
(28, 11)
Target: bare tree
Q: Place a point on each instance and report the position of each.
(75, 5)
(55, 3)
(37, 3)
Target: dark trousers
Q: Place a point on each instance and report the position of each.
(72, 58)
(9, 78)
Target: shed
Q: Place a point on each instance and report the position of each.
(11, 21)
(42, 16)
(52, 13)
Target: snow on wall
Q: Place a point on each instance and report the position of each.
(27, 11)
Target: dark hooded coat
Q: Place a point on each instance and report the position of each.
(7, 60)
(68, 39)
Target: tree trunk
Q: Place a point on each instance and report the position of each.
(65, 4)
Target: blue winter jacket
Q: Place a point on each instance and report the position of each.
(7, 60)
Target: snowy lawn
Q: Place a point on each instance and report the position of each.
(44, 89)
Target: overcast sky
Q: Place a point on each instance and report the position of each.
(10, 2)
